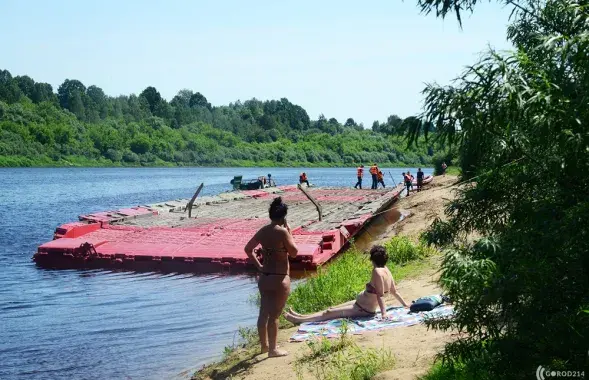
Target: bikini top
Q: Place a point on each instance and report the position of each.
(371, 289)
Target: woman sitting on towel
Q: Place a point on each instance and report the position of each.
(367, 301)
(274, 283)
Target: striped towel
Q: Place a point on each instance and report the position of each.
(398, 316)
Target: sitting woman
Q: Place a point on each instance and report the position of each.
(274, 283)
(367, 301)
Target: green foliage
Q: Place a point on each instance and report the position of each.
(402, 250)
(346, 276)
(459, 371)
(442, 157)
(83, 122)
(519, 122)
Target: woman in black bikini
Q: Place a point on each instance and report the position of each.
(274, 283)
(367, 301)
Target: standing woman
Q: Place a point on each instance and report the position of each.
(274, 283)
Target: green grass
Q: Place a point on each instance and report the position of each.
(342, 358)
(453, 170)
(237, 357)
(460, 371)
(346, 276)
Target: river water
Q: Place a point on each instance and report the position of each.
(74, 324)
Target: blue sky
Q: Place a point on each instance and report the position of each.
(364, 60)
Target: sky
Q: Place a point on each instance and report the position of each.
(364, 60)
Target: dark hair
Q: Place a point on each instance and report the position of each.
(278, 209)
(378, 255)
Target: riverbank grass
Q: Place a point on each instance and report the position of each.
(342, 359)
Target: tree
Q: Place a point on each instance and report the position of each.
(198, 100)
(9, 90)
(98, 100)
(76, 105)
(43, 92)
(182, 99)
(67, 92)
(152, 97)
(376, 126)
(26, 85)
(350, 123)
(518, 121)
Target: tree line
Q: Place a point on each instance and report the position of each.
(82, 125)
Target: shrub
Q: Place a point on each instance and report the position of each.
(401, 250)
(130, 157)
(114, 155)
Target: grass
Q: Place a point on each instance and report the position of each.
(342, 359)
(237, 358)
(346, 276)
(460, 371)
(453, 170)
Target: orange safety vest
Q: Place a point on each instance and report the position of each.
(407, 178)
(380, 176)
(303, 177)
(360, 172)
(374, 170)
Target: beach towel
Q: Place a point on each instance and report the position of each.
(398, 317)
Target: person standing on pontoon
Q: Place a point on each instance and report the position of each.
(303, 179)
(360, 173)
(381, 179)
(374, 174)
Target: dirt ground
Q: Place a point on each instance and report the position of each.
(414, 347)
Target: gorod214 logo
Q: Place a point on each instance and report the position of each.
(544, 373)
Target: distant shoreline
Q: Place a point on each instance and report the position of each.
(6, 160)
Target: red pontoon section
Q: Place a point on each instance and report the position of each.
(161, 237)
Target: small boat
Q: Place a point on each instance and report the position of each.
(426, 180)
(254, 184)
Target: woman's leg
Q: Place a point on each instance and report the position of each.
(265, 302)
(277, 288)
(348, 311)
(333, 308)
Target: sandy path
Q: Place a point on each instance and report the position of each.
(414, 347)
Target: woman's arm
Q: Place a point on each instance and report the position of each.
(378, 283)
(249, 251)
(396, 294)
(289, 243)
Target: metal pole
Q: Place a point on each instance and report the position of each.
(317, 205)
(189, 205)
(393, 179)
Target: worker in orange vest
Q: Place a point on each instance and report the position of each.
(408, 179)
(381, 179)
(360, 172)
(303, 179)
(374, 173)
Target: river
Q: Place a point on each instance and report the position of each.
(100, 324)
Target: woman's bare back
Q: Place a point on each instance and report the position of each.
(275, 241)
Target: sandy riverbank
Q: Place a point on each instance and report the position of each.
(414, 347)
